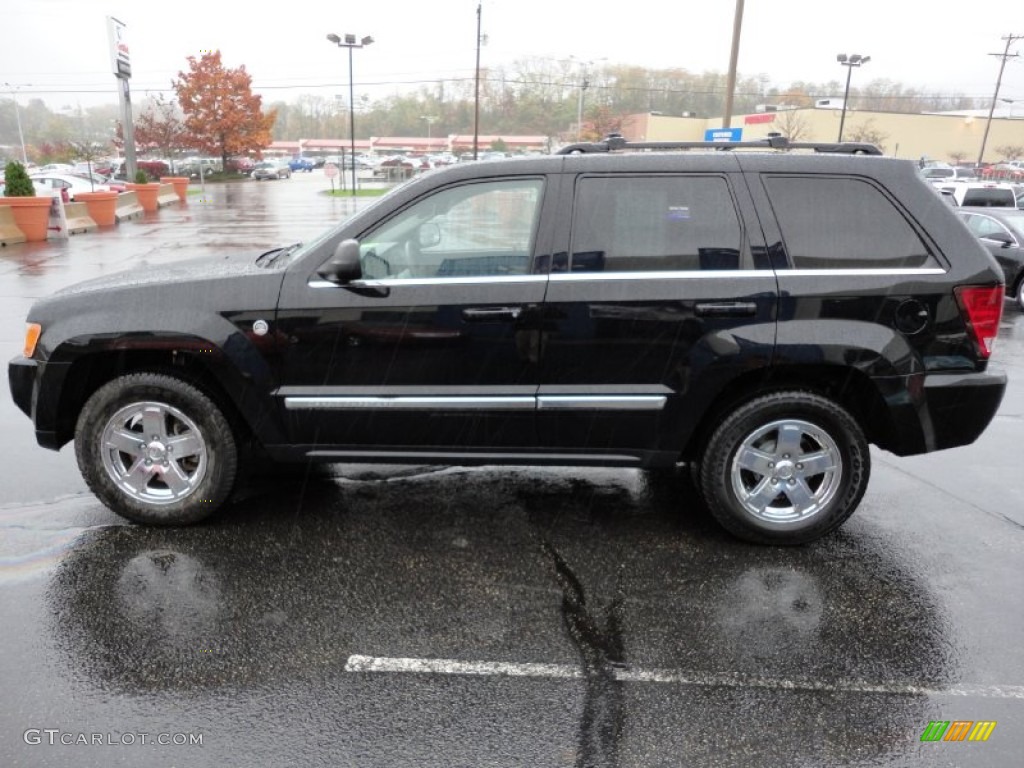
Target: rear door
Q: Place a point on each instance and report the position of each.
(661, 293)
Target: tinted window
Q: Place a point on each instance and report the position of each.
(632, 223)
(843, 223)
(472, 230)
(994, 197)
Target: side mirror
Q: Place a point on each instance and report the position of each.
(344, 266)
(1000, 237)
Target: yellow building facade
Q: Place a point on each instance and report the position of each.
(945, 138)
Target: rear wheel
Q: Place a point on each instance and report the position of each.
(156, 450)
(786, 468)
(1020, 293)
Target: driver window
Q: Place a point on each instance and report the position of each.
(474, 230)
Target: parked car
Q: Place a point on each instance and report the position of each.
(271, 169)
(940, 174)
(614, 308)
(1001, 230)
(987, 194)
(46, 183)
(302, 164)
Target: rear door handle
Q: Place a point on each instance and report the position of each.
(726, 309)
(491, 314)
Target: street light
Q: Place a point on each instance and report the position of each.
(431, 119)
(851, 61)
(350, 42)
(17, 117)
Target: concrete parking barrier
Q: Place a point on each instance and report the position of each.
(128, 206)
(166, 195)
(78, 218)
(9, 231)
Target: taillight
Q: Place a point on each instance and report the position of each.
(981, 307)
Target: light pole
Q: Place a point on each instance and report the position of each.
(851, 61)
(17, 118)
(350, 42)
(431, 119)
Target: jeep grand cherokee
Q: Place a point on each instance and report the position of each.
(761, 315)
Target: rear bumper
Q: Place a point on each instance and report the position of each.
(943, 410)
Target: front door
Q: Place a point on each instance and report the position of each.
(434, 351)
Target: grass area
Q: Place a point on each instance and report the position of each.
(359, 192)
(214, 178)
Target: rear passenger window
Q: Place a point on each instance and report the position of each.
(655, 223)
(843, 223)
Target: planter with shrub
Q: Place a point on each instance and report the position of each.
(31, 213)
(145, 191)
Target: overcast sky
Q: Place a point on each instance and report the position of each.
(58, 49)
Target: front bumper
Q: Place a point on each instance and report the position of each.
(35, 389)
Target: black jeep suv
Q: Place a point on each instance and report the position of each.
(761, 315)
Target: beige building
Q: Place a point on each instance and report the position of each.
(936, 137)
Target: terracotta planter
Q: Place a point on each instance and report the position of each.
(147, 194)
(102, 206)
(31, 214)
(180, 186)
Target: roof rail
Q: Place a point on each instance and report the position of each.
(616, 142)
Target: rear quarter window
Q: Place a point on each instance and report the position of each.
(843, 223)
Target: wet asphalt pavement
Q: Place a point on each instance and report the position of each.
(377, 616)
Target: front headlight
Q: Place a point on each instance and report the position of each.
(32, 331)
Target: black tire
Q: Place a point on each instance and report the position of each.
(1020, 293)
(753, 479)
(146, 481)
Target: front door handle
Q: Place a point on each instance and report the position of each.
(491, 314)
(726, 309)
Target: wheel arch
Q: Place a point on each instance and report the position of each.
(849, 387)
(216, 379)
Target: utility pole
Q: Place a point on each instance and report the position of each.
(1010, 40)
(476, 89)
(734, 55)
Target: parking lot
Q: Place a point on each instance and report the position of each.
(410, 616)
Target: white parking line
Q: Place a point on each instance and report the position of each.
(383, 664)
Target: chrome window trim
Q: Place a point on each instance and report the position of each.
(574, 277)
(873, 272)
(395, 282)
(689, 274)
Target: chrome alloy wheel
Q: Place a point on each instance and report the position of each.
(153, 452)
(786, 471)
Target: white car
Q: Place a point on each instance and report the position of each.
(980, 194)
(47, 183)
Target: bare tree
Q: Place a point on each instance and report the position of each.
(791, 124)
(957, 156)
(1010, 151)
(867, 133)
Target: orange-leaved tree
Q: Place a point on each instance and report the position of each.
(222, 114)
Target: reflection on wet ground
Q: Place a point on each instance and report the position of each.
(599, 576)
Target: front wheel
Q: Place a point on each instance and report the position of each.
(786, 468)
(156, 450)
(1020, 293)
